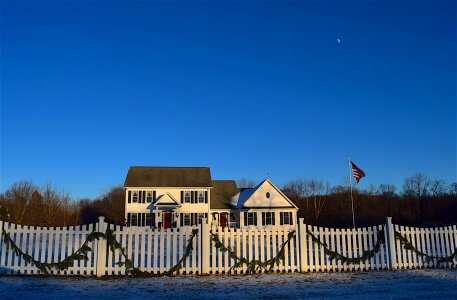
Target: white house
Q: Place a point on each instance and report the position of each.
(169, 197)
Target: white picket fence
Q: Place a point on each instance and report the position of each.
(156, 251)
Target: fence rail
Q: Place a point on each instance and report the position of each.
(212, 250)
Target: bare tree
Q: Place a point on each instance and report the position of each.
(245, 183)
(453, 188)
(417, 185)
(437, 187)
(318, 191)
(50, 203)
(294, 189)
(387, 193)
(17, 200)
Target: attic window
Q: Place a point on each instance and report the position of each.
(268, 195)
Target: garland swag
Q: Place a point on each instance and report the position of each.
(136, 272)
(429, 258)
(66, 263)
(366, 254)
(253, 265)
(82, 254)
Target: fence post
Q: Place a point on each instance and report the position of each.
(303, 250)
(390, 244)
(204, 246)
(100, 259)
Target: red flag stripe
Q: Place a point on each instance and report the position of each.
(357, 172)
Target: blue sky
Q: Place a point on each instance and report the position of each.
(91, 88)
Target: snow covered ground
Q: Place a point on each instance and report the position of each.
(416, 284)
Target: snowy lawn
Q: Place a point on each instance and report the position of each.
(416, 284)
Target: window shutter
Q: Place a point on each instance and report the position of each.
(182, 196)
(255, 219)
(154, 196)
(273, 218)
(192, 197)
(181, 219)
(144, 196)
(143, 221)
(245, 219)
(290, 219)
(206, 215)
(263, 218)
(140, 196)
(281, 219)
(206, 196)
(128, 218)
(129, 198)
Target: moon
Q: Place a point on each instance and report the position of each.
(338, 41)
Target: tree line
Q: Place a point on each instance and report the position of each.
(422, 201)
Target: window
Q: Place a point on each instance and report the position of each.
(250, 218)
(201, 196)
(149, 197)
(148, 219)
(268, 195)
(186, 219)
(200, 217)
(134, 219)
(286, 219)
(135, 197)
(187, 197)
(268, 218)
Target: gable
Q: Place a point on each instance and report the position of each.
(266, 195)
(166, 200)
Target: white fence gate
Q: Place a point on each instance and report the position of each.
(298, 248)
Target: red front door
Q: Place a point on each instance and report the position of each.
(166, 219)
(223, 221)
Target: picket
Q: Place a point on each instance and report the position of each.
(157, 250)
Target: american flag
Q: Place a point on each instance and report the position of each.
(357, 172)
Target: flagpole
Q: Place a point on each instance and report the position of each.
(350, 183)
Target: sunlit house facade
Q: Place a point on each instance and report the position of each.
(171, 197)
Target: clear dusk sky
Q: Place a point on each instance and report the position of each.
(91, 88)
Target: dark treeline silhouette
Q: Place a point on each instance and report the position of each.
(29, 204)
(421, 202)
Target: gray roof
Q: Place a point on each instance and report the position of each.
(222, 192)
(168, 177)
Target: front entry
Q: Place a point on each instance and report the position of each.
(167, 220)
(223, 220)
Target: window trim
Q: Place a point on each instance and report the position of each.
(186, 215)
(269, 214)
(285, 216)
(186, 198)
(201, 196)
(136, 219)
(135, 197)
(250, 217)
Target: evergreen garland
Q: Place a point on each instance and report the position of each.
(429, 258)
(82, 254)
(253, 265)
(66, 263)
(136, 272)
(366, 254)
